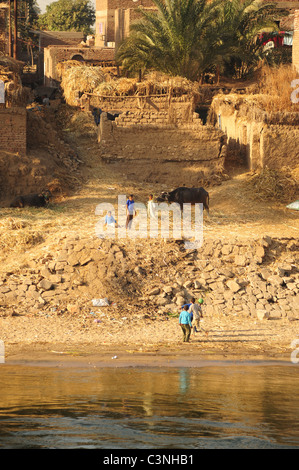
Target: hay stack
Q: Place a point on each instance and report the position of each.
(154, 84)
(281, 185)
(159, 83)
(63, 66)
(117, 87)
(80, 79)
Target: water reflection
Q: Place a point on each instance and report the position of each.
(236, 406)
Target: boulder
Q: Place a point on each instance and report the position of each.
(180, 300)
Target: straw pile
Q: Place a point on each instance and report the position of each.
(154, 83)
(157, 82)
(79, 79)
(18, 234)
(117, 87)
(280, 184)
(61, 67)
(10, 74)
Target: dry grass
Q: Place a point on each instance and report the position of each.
(275, 88)
(77, 77)
(154, 83)
(83, 125)
(80, 78)
(18, 234)
(280, 184)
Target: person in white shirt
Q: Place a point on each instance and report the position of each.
(151, 207)
(196, 311)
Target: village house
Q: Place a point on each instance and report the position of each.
(113, 18)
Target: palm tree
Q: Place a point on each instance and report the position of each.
(240, 22)
(170, 39)
(189, 37)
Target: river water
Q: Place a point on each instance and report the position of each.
(236, 406)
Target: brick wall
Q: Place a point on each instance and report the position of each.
(55, 54)
(295, 51)
(13, 127)
(178, 112)
(180, 108)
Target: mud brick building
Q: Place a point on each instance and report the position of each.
(113, 19)
(55, 54)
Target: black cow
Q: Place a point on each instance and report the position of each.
(32, 200)
(186, 195)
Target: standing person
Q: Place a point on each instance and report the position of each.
(196, 312)
(185, 324)
(130, 211)
(151, 207)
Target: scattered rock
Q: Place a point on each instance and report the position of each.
(154, 291)
(233, 286)
(262, 314)
(46, 285)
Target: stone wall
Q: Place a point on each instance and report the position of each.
(295, 49)
(259, 138)
(178, 106)
(150, 137)
(13, 125)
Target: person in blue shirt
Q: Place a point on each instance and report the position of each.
(185, 323)
(109, 219)
(130, 211)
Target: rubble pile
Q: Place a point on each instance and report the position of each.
(244, 278)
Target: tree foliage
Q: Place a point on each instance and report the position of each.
(189, 37)
(68, 15)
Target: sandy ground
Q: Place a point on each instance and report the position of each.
(67, 339)
(109, 342)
